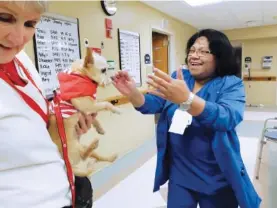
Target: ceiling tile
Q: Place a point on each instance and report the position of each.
(225, 15)
(246, 11)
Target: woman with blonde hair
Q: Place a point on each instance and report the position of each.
(32, 172)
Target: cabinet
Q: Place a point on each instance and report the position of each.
(260, 92)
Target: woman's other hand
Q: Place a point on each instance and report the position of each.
(84, 124)
(127, 86)
(124, 83)
(174, 90)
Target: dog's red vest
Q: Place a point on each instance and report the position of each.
(71, 86)
(74, 85)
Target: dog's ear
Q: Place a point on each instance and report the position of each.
(88, 59)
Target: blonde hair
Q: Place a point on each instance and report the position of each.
(39, 6)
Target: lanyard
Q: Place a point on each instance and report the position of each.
(62, 134)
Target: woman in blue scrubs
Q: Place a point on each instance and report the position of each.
(198, 148)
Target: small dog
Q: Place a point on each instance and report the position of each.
(78, 94)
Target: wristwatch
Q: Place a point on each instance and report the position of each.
(186, 105)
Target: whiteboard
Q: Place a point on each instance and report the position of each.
(57, 45)
(129, 54)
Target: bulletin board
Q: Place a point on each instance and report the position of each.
(56, 46)
(129, 54)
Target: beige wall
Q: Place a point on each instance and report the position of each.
(261, 92)
(133, 16)
(258, 48)
(124, 132)
(252, 33)
(256, 43)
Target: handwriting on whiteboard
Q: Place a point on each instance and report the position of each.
(57, 46)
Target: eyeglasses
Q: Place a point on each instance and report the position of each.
(200, 53)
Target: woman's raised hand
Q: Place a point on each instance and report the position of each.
(124, 83)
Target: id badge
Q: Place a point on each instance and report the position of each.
(181, 119)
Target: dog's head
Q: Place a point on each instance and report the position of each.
(94, 67)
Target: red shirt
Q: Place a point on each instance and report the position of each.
(11, 71)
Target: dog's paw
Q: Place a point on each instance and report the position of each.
(100, 131)
(112, 158)
(116, 111)
(96, 143)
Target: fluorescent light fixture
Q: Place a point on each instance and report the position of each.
(202, 2)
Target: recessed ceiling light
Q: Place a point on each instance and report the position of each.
(202, 2)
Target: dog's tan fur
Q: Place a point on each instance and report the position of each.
(87, 105)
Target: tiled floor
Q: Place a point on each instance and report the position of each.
(135, 191)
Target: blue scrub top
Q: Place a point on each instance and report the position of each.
(193, 164)
(225, 102)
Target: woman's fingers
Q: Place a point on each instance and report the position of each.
(78, 129)
(121, 76)
(180, 73)
(156, 86)
(83, 128)
(89, 120)
(159, 81)
(162, 75)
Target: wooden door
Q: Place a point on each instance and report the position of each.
(160, 55)
(160, 51)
